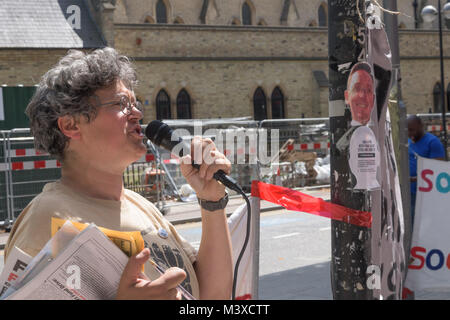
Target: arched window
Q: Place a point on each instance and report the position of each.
(161, 12)
(437, 101)
(163, 105)
(184, 105)
(259, 104)
(323, 18)
(246, 14)
(277, 104)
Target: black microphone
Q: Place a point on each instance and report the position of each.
(161, 135)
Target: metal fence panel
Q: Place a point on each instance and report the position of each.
(28, 170)
(302, 158)
(3, 179)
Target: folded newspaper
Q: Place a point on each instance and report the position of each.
(73, 265)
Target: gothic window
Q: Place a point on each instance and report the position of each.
(163, 105)
(437, 101)
(246, 14)
(277, 104)
(184, 105)
(259, 104)
(161, 12)
(323, 18)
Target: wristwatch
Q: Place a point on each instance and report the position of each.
(214, 205)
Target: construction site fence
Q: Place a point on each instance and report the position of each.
(293, 153)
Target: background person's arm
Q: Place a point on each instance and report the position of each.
(437, 151)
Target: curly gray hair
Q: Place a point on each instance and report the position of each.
(66, 89)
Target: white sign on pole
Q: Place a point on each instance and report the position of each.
(2, 110)
(364, 158)
(430, 247)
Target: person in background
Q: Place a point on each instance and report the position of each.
(423, 144)
(85, 114)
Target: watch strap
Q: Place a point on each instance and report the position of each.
(214, 205)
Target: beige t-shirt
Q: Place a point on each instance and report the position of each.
(32, 229)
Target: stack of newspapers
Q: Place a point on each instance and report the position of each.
(79, 262)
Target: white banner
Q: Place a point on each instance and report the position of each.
(248, 271)
(2, 109)
(430, 247)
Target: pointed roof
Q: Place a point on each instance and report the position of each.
(48, 24)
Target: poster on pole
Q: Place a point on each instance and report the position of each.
(429, 267)
(387, 251)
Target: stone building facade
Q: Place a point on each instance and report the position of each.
(234, 58)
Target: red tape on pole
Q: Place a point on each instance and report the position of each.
(297, 201)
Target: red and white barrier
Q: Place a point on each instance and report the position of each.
(437, 128)
(30, 165)
(25, 153)
(308, 146)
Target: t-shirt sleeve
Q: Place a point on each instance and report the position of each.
(436, 149)
(31, 231)
(187, 247)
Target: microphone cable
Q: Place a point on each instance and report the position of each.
(238, 189)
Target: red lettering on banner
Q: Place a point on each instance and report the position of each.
(20, 152)
(414, 254)
(58, 164)
(424, 174)
(12, 276)
(448, 261)
(316, 145)
(149, 157)
(303, 146)
(290, 147)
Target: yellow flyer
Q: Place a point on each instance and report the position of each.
(130, 242)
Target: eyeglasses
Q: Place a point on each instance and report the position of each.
(125, 105)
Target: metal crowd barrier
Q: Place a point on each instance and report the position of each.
(300, 158)
(26, 171)
(157, 175)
